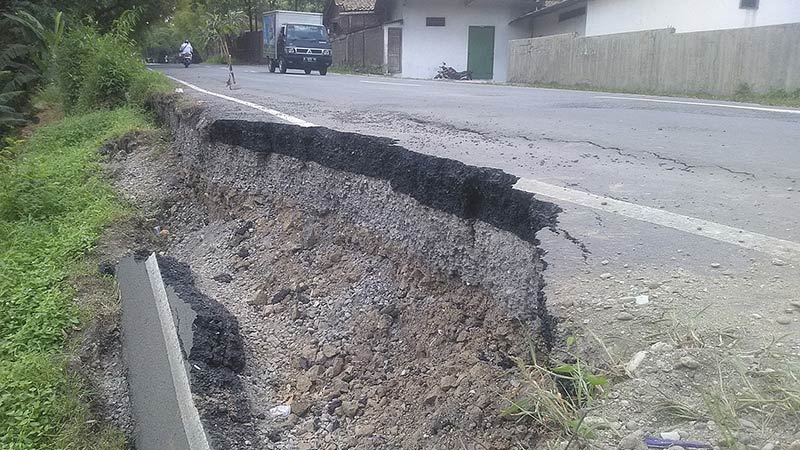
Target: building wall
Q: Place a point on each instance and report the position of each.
(620, 16)
(350, 23)
(664, 62)
(425, 48)
(548, 24)
(361, 50)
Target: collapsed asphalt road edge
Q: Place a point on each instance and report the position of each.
(468, 192)
(183, 352)
(473, 194)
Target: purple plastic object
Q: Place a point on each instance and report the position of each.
(666, 443)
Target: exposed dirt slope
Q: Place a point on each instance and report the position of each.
(381, 294)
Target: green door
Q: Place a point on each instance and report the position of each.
(480, 55)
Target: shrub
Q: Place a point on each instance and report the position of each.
(71, 57)
(145, 83)
(103, 71)
(108, 72)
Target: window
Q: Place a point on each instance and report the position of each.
(571, 14)
(306, 32)
(434, 21)
(748, 4)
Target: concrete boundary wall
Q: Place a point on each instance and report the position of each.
(662, 61)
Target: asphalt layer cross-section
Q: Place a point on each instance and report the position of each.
(732, 166)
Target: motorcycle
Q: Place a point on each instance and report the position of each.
(186, 59)
(449, 73)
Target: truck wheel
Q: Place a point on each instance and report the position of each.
(282, 65)
(308, 71)
(271, 64)
(323, 71)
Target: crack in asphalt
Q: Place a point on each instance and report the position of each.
(585, 252)
(737, 172)
(686, 167)
(446, 126)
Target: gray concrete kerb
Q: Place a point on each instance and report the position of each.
(154, 345)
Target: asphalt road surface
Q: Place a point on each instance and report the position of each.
(676, 184)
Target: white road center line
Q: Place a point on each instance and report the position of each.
(291, 119)
(716, 105)
(390, 84)
(699, 227)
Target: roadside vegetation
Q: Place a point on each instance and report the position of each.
(355, 70)
(557, 397)
(54, 203)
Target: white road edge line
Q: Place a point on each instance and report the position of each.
(717, 105)
(190, 417)
(699, 227)
(286, 117)
(390, 84)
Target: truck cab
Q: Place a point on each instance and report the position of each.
(296, 44)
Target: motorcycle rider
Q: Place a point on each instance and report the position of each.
(186, 48)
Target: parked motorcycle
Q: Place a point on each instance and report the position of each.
(448, 73)
(186, 59)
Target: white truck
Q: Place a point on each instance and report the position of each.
(296, 40)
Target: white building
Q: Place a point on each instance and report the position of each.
(466, 34)
(419, 35)
(599, 17)
(412, 38)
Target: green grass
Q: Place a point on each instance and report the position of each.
(558, 398)
(353, 70)
(54, 203)
(776, 97)
(743, 94)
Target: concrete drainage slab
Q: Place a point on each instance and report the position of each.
(171, 378)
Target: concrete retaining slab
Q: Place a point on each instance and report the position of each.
(156, 336)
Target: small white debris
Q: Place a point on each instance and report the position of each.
(689, 363)
(179, 90)
(778, 262)
(671, 435)
(605, 262)
(281, 411)
(716, 265)
(606, 276)
(662, 347)
(623, 316)
(642, 299)
(634, 363)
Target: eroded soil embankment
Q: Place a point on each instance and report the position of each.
(381, 294)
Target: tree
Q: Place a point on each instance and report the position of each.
(26, 54)
(221, 27)
(105, 12)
